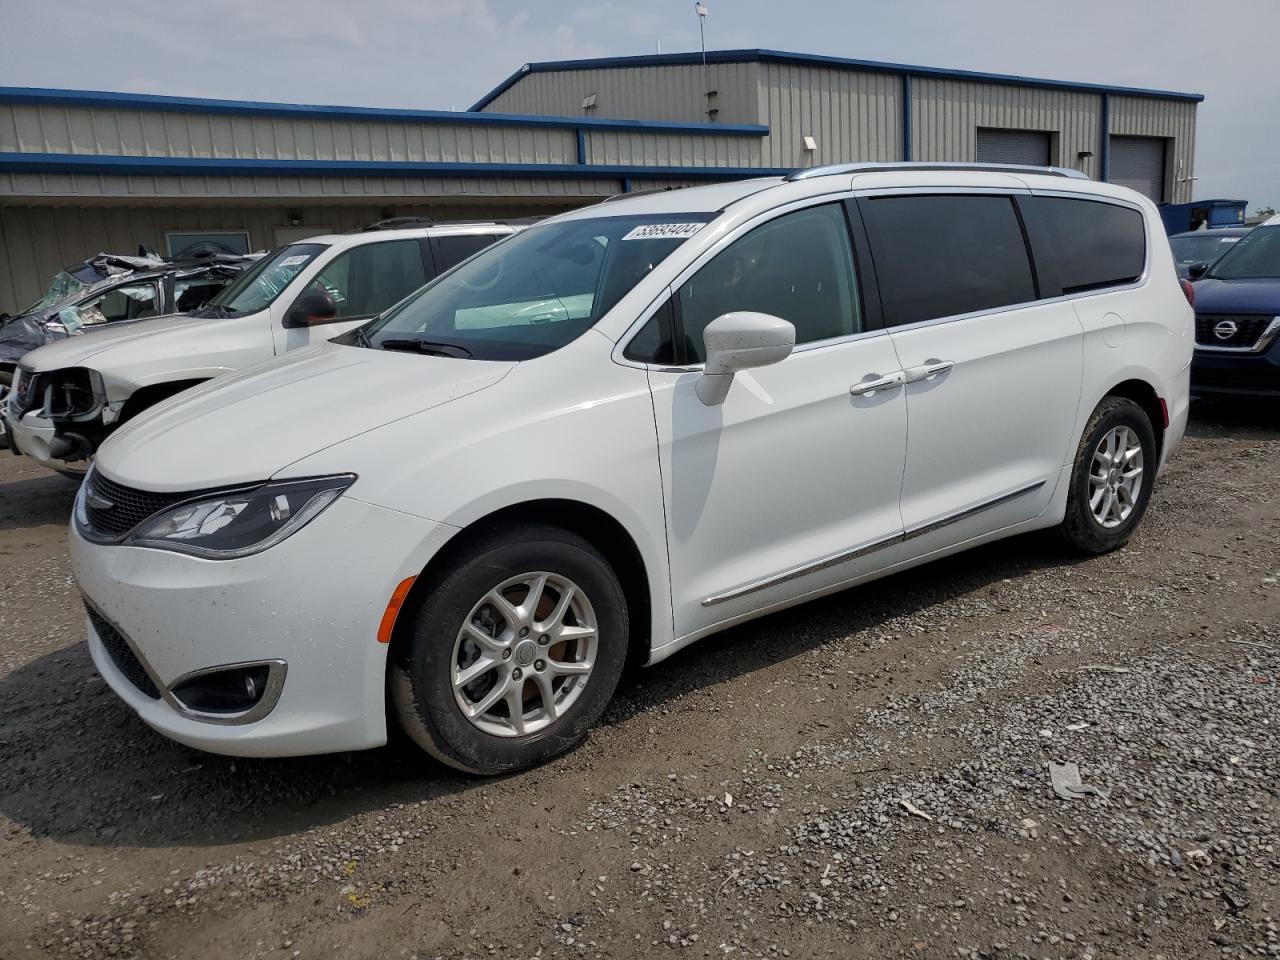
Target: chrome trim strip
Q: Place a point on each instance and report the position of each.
(1261, 344)
(802, 570)
(846, 555)
(925, 528)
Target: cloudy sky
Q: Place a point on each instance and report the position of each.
(445, 53)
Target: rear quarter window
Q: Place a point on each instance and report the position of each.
(1083, 245)
(947, 254)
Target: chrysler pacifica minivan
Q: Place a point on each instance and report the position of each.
(622, 430)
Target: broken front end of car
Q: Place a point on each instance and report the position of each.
(59, 417)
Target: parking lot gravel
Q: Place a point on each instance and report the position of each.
(864, 776)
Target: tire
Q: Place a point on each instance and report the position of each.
(1083, 528)
(427, 706)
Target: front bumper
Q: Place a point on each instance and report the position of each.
(313, 602)
(31, 435)
(1236, 372)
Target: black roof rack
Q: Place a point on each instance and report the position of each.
(418, 223)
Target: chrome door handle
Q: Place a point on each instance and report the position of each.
(927, 371)
(867, 387)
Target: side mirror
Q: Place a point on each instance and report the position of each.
(738, 341)
(313, 307)
(1197, 270)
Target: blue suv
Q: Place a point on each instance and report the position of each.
(1237, 302)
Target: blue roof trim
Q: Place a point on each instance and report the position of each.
(212, 166)
(814, 59)
(152, 101)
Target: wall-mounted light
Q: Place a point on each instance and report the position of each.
(810, 144)
(589, 102)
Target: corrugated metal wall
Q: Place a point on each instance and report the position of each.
(674, 150)
(853, 116)
(1174, 120)
(674, 92)
(52, 128)
(149, 189)
(946, 115)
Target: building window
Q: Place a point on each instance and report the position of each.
(200, 243)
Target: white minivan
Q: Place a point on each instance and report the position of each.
(68, 396)
(619, 431)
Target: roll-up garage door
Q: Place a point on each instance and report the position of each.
(1138, 163)
(1013, 146)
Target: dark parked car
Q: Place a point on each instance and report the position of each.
(1202, 246)
(1237, 301)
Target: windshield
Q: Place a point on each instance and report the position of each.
(1257, 255)
(536, 291)
(1204, 249)
(63, 286)
(257, 288)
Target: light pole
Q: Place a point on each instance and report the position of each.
(701, 10)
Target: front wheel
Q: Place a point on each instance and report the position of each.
(514, 654)
(1112, 477)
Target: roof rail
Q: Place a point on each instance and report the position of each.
(837, 168)
(410, 223)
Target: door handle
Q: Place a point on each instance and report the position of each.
(866, 387)
(927, 371)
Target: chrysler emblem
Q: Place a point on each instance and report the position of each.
(97, 502)
(1225, 330)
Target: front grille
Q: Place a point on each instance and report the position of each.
(121, 655)
(1248, 329)
(127, 507)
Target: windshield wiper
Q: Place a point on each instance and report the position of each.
(431, 347)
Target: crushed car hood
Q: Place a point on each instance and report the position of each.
(78, 350)
(249, 425)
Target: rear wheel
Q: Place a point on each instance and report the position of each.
(1112, 477)
(514, 654)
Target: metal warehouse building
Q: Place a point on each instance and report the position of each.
(84, 171)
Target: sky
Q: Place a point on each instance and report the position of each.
(444, 54)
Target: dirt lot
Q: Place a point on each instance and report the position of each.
(862, 777)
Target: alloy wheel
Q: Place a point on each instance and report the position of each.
(1115, 476)
(524, 654)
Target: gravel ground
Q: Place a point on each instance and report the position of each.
(866, 776)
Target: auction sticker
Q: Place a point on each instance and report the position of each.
(297, 260)
(663, 231)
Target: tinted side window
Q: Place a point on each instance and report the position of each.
(451, 251)
(1083, 244)
(939, 256)
(366, 280)
(798, 267)
(653, 343)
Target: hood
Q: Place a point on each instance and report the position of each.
(1238, 296)
(75, 351)
(249, 425)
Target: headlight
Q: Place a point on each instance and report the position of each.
(240, 522)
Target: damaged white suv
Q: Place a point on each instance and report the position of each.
(619, 431)
(68, 396)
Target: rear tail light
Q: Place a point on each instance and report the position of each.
(1188, 291)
